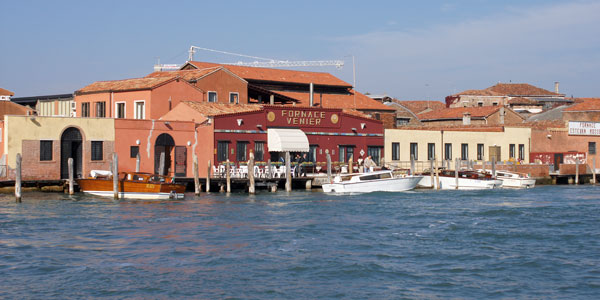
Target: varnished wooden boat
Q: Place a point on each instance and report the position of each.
(133, 185)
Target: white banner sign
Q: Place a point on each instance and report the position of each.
(584, 128)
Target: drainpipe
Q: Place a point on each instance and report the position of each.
(312, 90)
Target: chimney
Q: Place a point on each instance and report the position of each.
(556, 87)
(502, 114)
(312, 90)
(466, 118)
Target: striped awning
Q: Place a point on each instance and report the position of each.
(285, 139)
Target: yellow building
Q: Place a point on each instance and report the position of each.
(46, 143)
(465, 143)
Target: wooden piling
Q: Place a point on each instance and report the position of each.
(308, 185)
(594, 171)
(228, 177)
(437, 174)
(70, 166)
(456, 166)
(329, 168)
(577, 171)
(494, 167)
(161, 165)
(350, 163)
(115, 172)
(251, 188)
(137, 162)
(208, 176)
(18, 179)
(196, 179)
(412, 165)
(269, 172)
(288, 174)
(431, 173)
(273, 188)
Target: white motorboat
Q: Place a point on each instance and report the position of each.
(514, 179)
(379, 181)
(467, 180)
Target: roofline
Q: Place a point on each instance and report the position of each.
(78, 93)
(45, 97)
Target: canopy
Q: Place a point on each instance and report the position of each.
(284, 140)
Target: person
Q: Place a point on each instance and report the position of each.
(303, 168)
(299, 162)
(369, 164)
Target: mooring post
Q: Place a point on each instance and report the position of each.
(137, 162)
(594, 171)
(437, 174)
(269, 172)
(70, 166)
(18, 179)
(196, 179)
(251, 188)
(456, 166)
(228, 177)
(115, 172)
(328, 168)
(431, 173)
(161, 165)
(412, 165)
(208, 176)
(288, 173)
(494, 167)
(350, 163)
(577, 171)
(309, 184)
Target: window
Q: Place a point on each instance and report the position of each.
(479, 104)
(521, 151)
(414, 151)
(464, 151)
(133, 151)
(234, 98)
(591, 147)
(101, 109)
(45, 150)
(222, 150)
(212, 96)
(97, 150)
(430, 151)
(312, 153)
(375, 152)
(402, 121)
(494, 103)
(242, 148)
(395, 151)
(120, 110)
(140, 111)
(85, 109)
(511, 151)
(448, 151)
(346, 152)
(259, 151)
(377, 116)
(480, 154)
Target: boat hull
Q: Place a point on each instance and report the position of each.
(383, 185)
(517, 182)
(449, 183)
(132, 189)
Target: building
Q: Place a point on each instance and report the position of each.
(502, 93)
(61, 105)
(407, 112)
(487, 115)
(502, 143)
(5, 94)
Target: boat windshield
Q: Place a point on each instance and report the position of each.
(377, 176)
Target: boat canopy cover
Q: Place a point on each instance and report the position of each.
(285, 139)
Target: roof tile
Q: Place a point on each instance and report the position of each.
(125, 85)
(457, 113)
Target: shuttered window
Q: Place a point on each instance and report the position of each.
(97, 150)
(45, 150)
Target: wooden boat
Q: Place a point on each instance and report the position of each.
(379, 181)
(467, 180)
(513, 179)
(133, 185)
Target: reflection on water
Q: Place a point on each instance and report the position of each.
(537, 243)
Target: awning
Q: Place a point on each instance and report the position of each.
(284, 140)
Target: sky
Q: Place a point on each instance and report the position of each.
(410, 50)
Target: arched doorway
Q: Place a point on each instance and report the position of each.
(70, 146)
(164, 144)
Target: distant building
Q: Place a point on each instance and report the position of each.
(407, 112)
(523, 98)
(5, 94)
(61, 105)
(488, 115)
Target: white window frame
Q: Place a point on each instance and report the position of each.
(135, 110)
(124, 109)
(208, 96)
(238, 97)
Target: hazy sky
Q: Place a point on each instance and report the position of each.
(410, 50)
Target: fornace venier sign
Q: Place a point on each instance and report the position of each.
(584, 128)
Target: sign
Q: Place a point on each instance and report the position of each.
(584, 128)
(290, 117)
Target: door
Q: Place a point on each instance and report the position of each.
(71, 147)
(495, 153)
(180, 161)
(558, 159)
(164, 144)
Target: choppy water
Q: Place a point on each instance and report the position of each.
(541, 243)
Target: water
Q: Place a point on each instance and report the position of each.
(541, 243)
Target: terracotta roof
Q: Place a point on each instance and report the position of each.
(418, 106)
(520, 89)
(214, 109)
(485, 92)
(277, 75)
(457, 113)
(125, 85)
(11, 108)
(523, 101)
(477, 128)
(544, 124)
(339, 101)
(188, 75)
(5, 92)
(588, 104)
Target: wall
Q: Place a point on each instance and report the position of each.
(557, 140)
(178, 90)
(93, 98)
(472, 101)
(223, 83)
(587, 116)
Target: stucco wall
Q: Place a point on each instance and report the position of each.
(224, 83)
